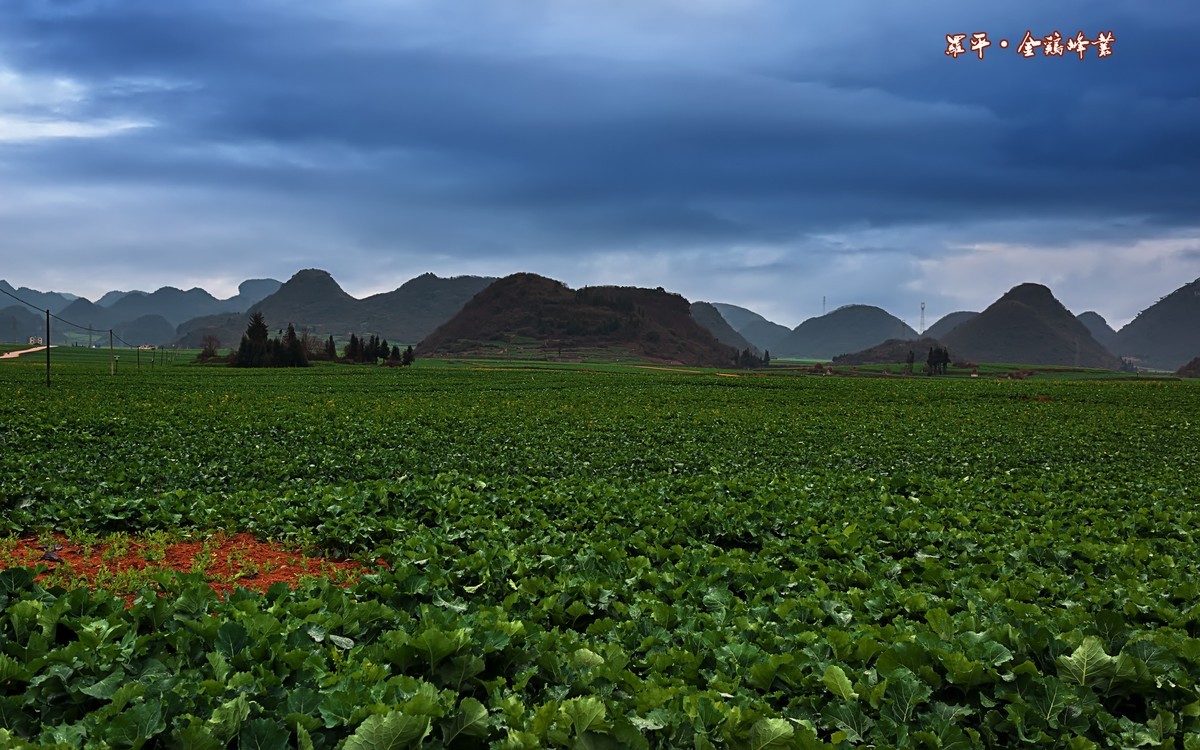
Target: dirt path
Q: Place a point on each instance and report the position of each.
(668, 369)
(14, 355)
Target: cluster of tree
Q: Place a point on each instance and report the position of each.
(748, 360)
(938, 360)
(374, 349)
(208, 348)
(258, 349)
(365, 349)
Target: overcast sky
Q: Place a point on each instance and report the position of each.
(759, 152)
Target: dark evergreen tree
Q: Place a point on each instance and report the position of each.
(292, 350)
(353, 349)
(254, 348)
(395, 355)
(330, 348)
(257, 349)
(409, 357)
(748, 360)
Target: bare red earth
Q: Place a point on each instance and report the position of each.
(227, 562)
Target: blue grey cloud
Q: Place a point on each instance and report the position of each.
(762, 145)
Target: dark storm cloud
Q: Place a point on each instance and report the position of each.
(544, 131)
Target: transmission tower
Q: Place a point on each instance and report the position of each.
(922, 331)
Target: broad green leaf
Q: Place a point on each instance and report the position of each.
(1088, 664)
(837, 683)
(1047, 699)
(981, 647)
(436, 645)
(263, 734)
(652, 721)
(303, 700)
(457, 671)
(584, 713)
(941, 622)
(470, 721)
(196, 736)
(392, 731)
(14, 580)
(961, 670)
(227, 718)
(762, 675)
(597, 741)
(905, 692)
(316, 632)
(232, 638)
(1111, 625)
(519, 741)
(12, 670)
(72, 735)
(849, 720)
(767, 733)
(106, 688)
(12, 714)
(135, 726)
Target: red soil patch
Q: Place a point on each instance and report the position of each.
(122, 565)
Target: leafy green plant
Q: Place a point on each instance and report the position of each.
(612, 558)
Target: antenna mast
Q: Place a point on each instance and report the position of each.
(922, 331)
(822, 304)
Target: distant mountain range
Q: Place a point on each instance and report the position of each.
(1165, 335)
(1098, 327)
(310, 300)
(1028, 325)
(948, 323)
(530, 315)
(313, 301)
(18, 323)
(52, 301)
(846, 329)
(756, 329)
(1031, 326)
(137, 317)
(1025, 325)
(710, 317)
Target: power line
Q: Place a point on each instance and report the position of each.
(80, 327)
(111, 333)
(56, 317)
(18, 299)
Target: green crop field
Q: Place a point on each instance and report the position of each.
(611, 557)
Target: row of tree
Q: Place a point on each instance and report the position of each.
(374, 349)
(259, 349)
(749, 360)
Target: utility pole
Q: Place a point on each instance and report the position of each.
(47, 348)
(112, 363)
